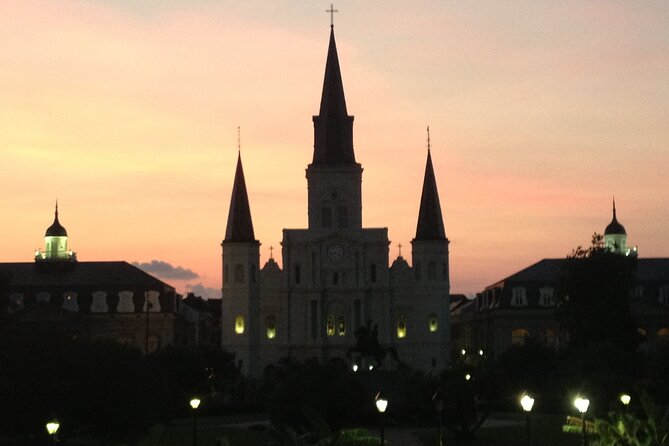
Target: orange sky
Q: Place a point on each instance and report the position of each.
(127, 113)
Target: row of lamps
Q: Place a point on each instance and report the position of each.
(581, 404)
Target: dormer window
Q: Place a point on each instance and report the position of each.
(518, 297)
(546, 297)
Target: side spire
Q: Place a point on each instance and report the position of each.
(240, 225)
(333, 127)
(430, 221)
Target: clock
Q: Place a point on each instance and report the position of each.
(335, 252)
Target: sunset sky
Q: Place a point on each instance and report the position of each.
(127, 113)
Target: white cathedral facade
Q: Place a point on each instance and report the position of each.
(336, 275)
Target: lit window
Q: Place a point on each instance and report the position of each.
(433, 323)
(239, 325)
(402, 327)
(518, 297)
(546, 297)
(519, 336)
(330, 328)
(271, 327)
(663, 335)
(341, 327)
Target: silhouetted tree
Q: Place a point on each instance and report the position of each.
(594, 305)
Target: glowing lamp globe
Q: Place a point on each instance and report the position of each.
(195, 403)
(625, 399)
(527, 402)
(381, 404)
(582, 404)
(52, 427)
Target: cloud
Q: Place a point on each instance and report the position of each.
(166, 271)
(200, 290)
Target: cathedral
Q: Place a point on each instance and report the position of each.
(336, 274)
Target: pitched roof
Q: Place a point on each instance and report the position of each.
(240, 225)
(550, 270)
(104, 275)
(430, 221)
(333, 128)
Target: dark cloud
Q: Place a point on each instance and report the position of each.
(166, 271)
(203, 291)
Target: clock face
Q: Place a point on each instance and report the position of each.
(335, 252)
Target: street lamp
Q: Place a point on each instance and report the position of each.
(52, 428)
(527, 402)
(195, 403)
(582, 406)
(381, 405)
(625, 399)
(438, 400)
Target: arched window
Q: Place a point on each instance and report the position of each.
(341, 326)
(239, 273)
(549, 337)
(239, 325)
(433, 323)
(431, 271)
(519, 336)
(402, 327)
(271, 327)
(663, 335)
(330, 328)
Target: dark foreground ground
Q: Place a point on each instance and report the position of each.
(499, 430)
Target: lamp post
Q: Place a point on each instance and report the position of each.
(527, 402)
(381, 405)
(195, 403)
(52, 428)
(625, 399)
(582, 406)
(438, 401)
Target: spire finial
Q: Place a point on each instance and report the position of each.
(271, 252)
(56, 208)
(239, 140)
(400, 247)
(428, 138)
(614, 207)
(331, 11)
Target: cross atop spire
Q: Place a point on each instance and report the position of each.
(271, 252)
(239, 140)
(331, 11)
(400, 248)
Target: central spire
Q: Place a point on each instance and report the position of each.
(333, 127)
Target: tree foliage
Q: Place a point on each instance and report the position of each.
(594, 306)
